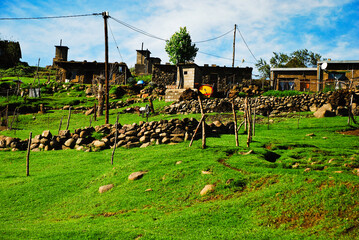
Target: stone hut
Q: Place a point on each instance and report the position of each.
(84, 72)
(144, 63)
(189, 75)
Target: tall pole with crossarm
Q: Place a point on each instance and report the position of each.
(105, 16)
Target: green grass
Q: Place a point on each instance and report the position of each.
(256, 197)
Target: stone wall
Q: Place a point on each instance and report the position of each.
(128, 136)
(264, 105)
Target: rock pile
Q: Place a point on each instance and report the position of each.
(128, 136)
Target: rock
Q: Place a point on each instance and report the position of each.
(46, 134)
(136, 175)
(64, 133)
(206, 172)
(70, 143)
(208, 188)
(324, 111)
(148, 190)
(307, 170)
(88, 91)
(99, 144)
(89, 112)
(310, 135)
(179, 162)
(105, 188)
(313, 108)
(145, 145)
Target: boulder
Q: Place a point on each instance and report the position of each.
(136, 175)
(99, 144)
(89, 112)
(105, 188)
(70, 143)
(46, 134)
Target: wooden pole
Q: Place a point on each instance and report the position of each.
(60, 124)
(245, 114)
(94, 113)
(203, 124)
(195, 131)
(114, 146)
(235, 123)
(151, 106)
(254, 118)
(28, 156)
(68, 119)
(234, 44)
(105, 16)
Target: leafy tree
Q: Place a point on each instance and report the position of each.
(263, 67)
(299, 58)
(180, 48)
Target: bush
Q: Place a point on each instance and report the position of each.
(286, 93)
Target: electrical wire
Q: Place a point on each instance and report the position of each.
(41, 18)
(214, 38)
(247, 45)
(137, 29)
(115, 42)
(209, 54)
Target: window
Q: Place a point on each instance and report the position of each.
(185, 72)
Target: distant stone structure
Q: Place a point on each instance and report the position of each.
(85, 72)
(10, 53)
(178, 78)
(144, 63)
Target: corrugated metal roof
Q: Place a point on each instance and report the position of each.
(294, 69)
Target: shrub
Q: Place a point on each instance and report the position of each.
(286, 93)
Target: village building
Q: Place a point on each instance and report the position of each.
(333, 75)
(178, 78)
(328, 75)
(300, 79)
(144, 63)
(85, 72)
(10, 53)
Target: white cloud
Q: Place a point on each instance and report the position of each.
(268, 26)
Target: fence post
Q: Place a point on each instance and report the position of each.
(28, 156)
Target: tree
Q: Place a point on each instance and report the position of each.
(263, 68)
(299, 58)
(180, 48)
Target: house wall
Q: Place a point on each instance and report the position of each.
(164, 75)
(303, 80)
(350, 70)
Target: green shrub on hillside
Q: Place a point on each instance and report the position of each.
(286, 93)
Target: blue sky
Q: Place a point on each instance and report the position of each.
(327, 27)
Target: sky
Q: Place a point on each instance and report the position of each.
(327, 27)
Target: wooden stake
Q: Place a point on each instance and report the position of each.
(28, 156)
(60, 124)
(94, 112)
(254, 118)
(68, 119)
(203, 124)
(195, 131)
(114, 146)
(151, 106)
(235, 123)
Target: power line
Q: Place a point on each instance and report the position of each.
(137, 29)
(115, 42)
(209, 54)
(40, 18)
(246, 45)
(214, 38)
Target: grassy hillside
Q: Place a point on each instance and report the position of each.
(296, 184)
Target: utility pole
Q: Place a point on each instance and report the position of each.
(105, 16)
(234, 43)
